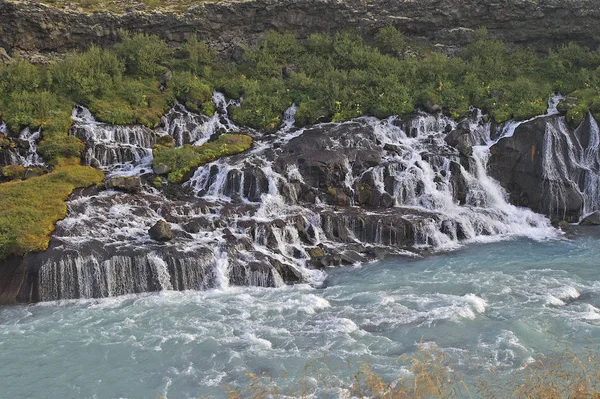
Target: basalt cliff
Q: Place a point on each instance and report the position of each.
(33, 27)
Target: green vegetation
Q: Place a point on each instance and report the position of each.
(18, 172)
(30, 208)
(182, 161)
(330, 78)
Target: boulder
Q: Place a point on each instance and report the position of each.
(317, 253)
(128, 184)
(289, 273)
(161, 231)
(461, 139)
(593, 219)
(567, 104)
(324, 154)
(564, 225)
(460, 187)
(256, 184)
(161, 169)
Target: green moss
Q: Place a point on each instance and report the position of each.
(157, 182)
(31, 208)
(13, 172)
(165, 141)
(4, 142)
(184, 160)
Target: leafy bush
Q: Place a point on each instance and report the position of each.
(191, 91)
(390, 41)
(143, 55)
(87, 75)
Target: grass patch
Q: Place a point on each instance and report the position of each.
(182, 161)
(30, 208)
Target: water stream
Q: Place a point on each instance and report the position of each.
(487, 305)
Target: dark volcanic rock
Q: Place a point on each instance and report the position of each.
(517, 162)
(388, 228)
(461, 139)
(128, 184)
(161, 231)
(227, 25)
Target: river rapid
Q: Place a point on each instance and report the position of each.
(485, 305)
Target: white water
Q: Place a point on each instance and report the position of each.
(29, 156)
(485, 306)
(251, 223)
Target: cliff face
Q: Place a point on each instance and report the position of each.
(28, 26)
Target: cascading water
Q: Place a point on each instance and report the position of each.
(31, 137)
(298, 202)
(115, 149)
(23, 151)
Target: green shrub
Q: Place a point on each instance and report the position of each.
(390, 40)
(310, 112)
(196, 57)
(21, 76)
(87, 75)
(142, 54)
(191, 91)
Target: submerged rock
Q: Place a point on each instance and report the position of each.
(591, 219)
(161, 231)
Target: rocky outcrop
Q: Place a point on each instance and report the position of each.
(31, 26)
(549, 167)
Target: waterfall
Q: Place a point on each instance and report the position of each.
(589, 162)
(24, 152)
(73, 276)
(122, 150)
(300, 201)
(32, 137)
